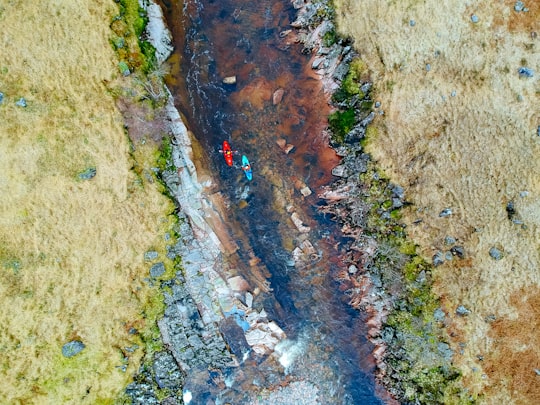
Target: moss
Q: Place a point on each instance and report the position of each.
(341, 123)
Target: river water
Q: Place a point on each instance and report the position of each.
(215, 39)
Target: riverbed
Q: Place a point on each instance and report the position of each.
(241, 77)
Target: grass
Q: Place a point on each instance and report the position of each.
(72, 250)
(463, 136)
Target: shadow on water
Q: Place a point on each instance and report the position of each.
(217, 39)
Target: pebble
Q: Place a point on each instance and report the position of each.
(21, 102)
(458, 251)
(445, 213)
(438, 259)
(428, 67)
(525, 72)
(72, 348)
(157, 270)
(151, 255)
(412, 23)
(495, 253)
(88, 174)
(462, 311)
(453, 93)
(1, 97)
(449, 240)
(519, 6)
(538, 130)
(474, 18)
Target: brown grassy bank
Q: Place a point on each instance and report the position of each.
(71, 250)
(459, 131)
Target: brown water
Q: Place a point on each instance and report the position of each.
(216, 39)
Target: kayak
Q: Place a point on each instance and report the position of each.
(227, 153)
(246, 167)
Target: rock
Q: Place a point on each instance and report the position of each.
(305, 191)
(150, 255)
(340, 171)
(157, 32)
(288, 148)
(412, 23)
(72, 348)
(428, 67)
(462, 311)
(1, 97)
(229, 80)
(525, 72)
(519, 6)
(439, 315)
(495, 253)
(88, 174)
(538, 130)
(438, 258)
(277, 96)
(166, 372)
(458, 251)
(453, 94)
(238, 283)
(157, 270)
(299, 224)
(445, 213)
(353, 269)
(474, 18)
(449, 240)
(21, 102)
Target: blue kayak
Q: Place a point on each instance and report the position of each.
(246, 167)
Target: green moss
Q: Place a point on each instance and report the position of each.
(341, 123)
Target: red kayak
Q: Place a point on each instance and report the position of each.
(227, 153)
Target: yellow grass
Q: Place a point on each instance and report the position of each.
(71, 251)
(473, 153)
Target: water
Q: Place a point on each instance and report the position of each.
(217, 39)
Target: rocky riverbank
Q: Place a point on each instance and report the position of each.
(386, 278)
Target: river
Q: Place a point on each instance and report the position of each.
(275, 113)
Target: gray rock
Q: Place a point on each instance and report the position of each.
(474, 18)
(21, 102)
(525, 72)
(88, 174)
(462, 311)
(428, 67)
(72, 348)
(445, 213)
(458, 251)
(157, 270)
(438, 259)
(453, 94)
(495, 253)
(519, 6)
(1, 97)
(445, 350)
(412, 23)
(439, 315)
(538, 130)
(150, 255)
(166, 371)
(449, 240)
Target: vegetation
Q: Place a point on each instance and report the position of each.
(414, 352)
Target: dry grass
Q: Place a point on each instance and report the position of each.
(472, 151)
(71, 251)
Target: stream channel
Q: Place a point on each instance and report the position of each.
(215, 39)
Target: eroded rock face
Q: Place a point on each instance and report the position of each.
(156, 31)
